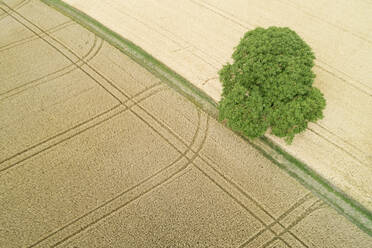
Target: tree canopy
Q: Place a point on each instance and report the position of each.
(269, 85)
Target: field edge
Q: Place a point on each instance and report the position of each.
(344, 204)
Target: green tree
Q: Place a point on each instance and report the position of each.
(269, 85)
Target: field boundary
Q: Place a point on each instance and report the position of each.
(353, 210)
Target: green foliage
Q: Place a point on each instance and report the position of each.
(269, 85)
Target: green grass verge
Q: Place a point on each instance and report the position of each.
(344, 204)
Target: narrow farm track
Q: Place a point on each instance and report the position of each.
(196, 39)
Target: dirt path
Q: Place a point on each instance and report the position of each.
(196, 37)
(96, 151)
